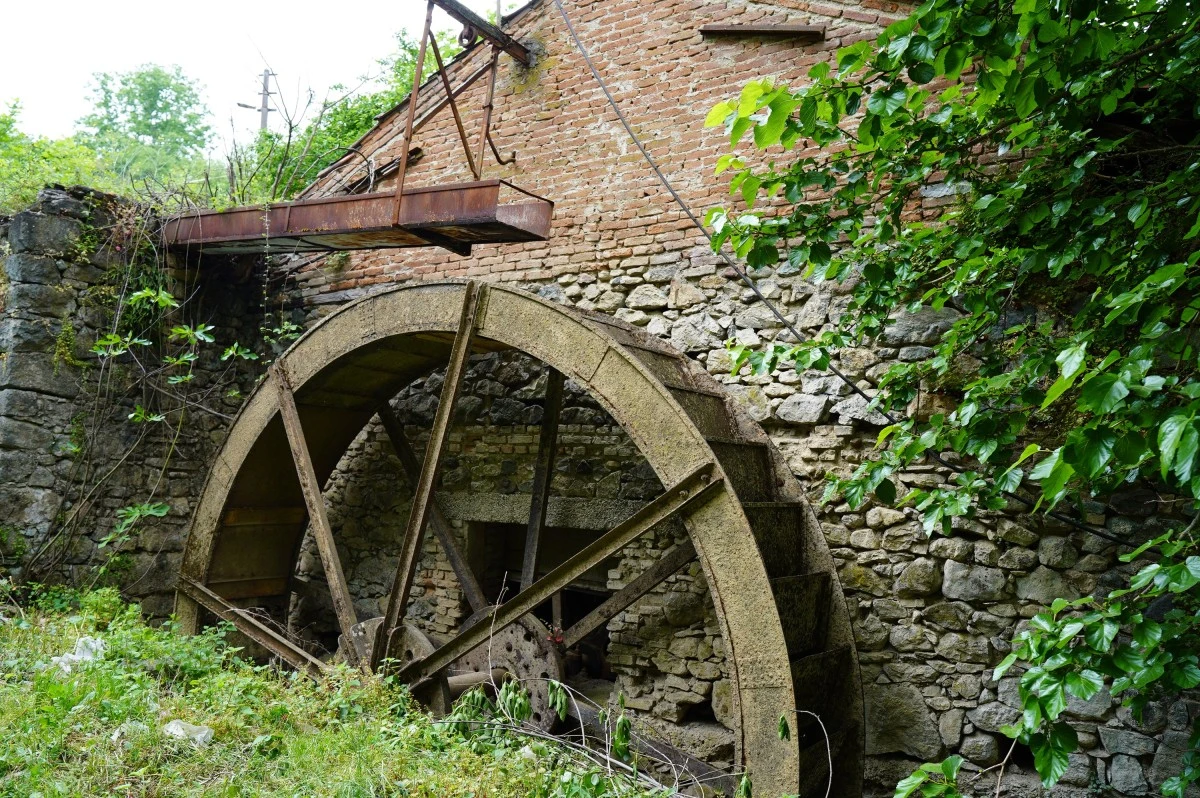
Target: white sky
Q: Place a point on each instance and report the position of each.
(51, 49)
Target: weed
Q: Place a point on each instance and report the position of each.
(98, 729)
(337, 262)
(64, 347)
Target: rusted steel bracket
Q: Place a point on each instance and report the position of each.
(426, 35)
(462, 131)
(486, 29)
(500, 159)
(500, 41)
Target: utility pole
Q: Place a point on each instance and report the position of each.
(265, 108)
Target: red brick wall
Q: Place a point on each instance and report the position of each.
(610, 211)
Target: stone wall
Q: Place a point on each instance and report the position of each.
(70, 458)
(933, 616)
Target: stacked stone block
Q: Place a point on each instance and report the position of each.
(69, 456)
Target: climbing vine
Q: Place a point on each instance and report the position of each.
(1065, 135)
(151, 353)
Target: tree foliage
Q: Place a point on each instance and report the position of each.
(1068, 132)
(148, 130)
(146, 121)
(285, 162)
(27, 164)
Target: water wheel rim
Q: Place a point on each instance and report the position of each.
(585, 352)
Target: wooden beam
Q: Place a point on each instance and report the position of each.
(486, 29)
(688, 492)
(672, 561)
(343, 602)
(248, 625)
(263, 516)
(437, 518)
(543, 474)
(256, 587)
(422, 501)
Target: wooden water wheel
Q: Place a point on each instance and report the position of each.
(788, 644)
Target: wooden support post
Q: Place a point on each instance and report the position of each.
(343, 602)
(437, 519)
(246, 623)
(556, 610)
(543, 474)
(422, 501)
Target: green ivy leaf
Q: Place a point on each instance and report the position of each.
(886, 102)
(1084, 684)
(1051, 762)
(921, 73)
(1100, 635)
(719, 113)
(1103, 393)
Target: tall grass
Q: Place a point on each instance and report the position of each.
(98, 729)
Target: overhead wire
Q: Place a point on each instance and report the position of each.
(753, 286)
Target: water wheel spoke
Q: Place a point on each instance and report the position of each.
(685, 494)
(423, 499)
(543, 474)
(343, 602)
(680, 555)
(437, 519)
(252, 628)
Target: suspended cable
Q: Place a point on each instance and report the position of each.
(745, 277)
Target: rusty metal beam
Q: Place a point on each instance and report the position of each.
(245, 623)
(486, 29)
(488, 105)
(343, 602)
(462, 131)
(423, 499)
(437, 519)
(448, 215)
(687, 493)
(413, 96)
(543, 474)
(469, 81)
(669, 563)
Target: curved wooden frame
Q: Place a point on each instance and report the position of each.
(247, 475)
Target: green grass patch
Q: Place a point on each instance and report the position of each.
(98, 730)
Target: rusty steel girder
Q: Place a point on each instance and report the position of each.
(452, 216)
(786, 630)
